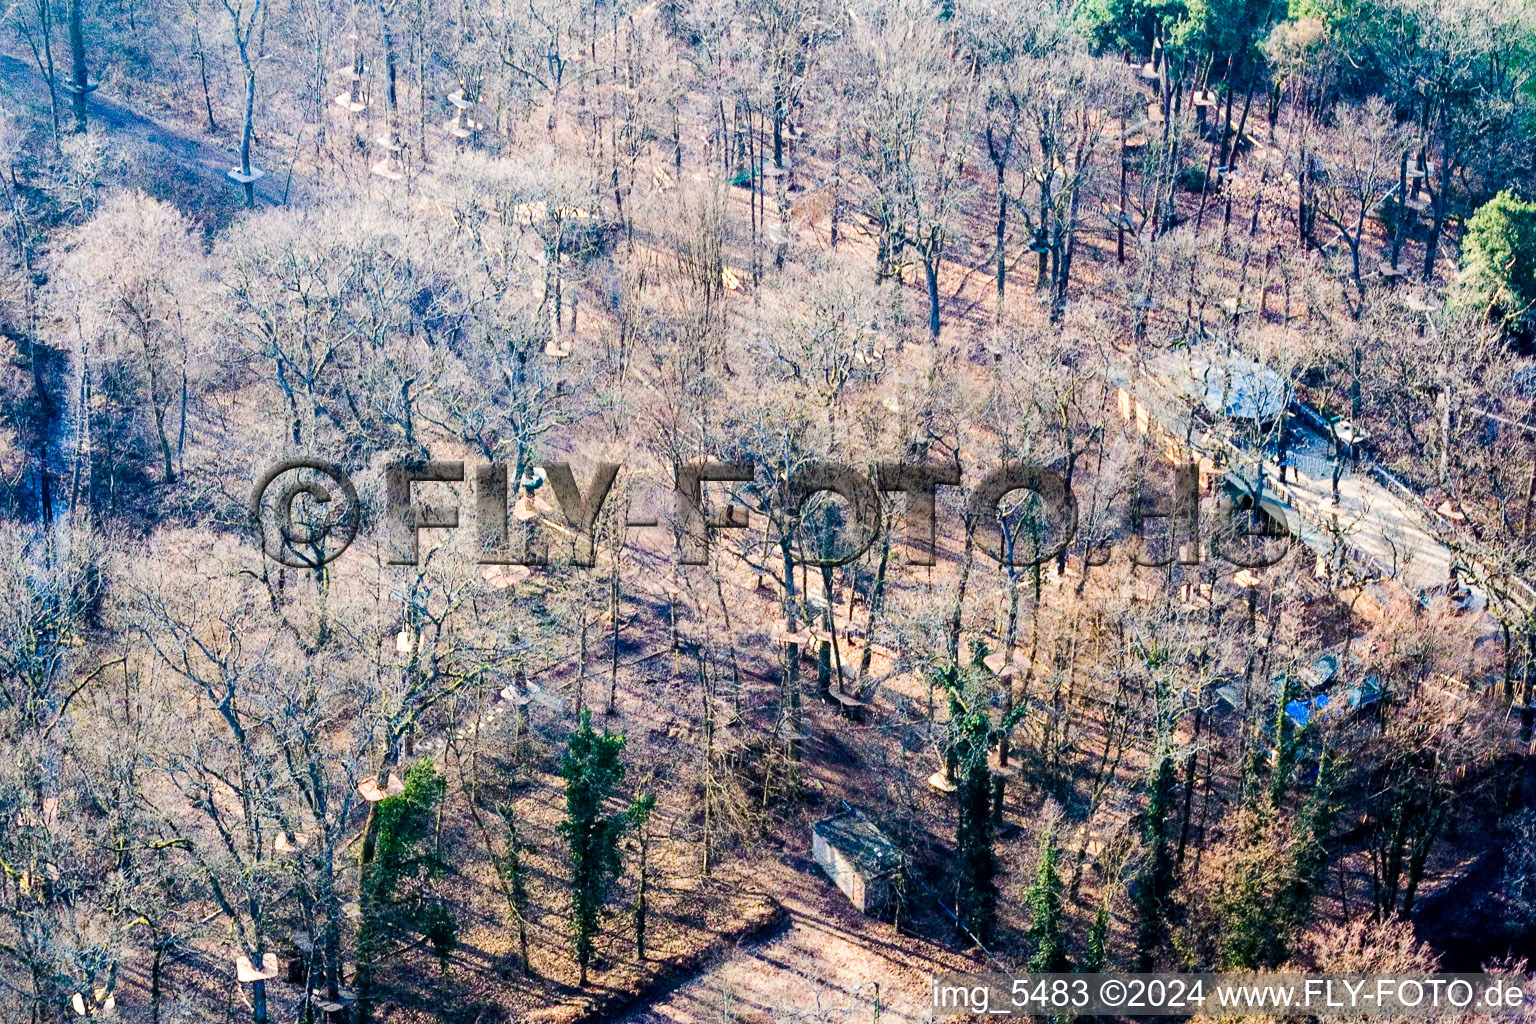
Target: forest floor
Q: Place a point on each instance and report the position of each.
(720, 935)
(165, 160)
(830, 964)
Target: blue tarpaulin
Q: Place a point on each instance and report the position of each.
(1354, 697)
(1301, 712)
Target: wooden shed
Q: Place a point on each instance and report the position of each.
(857, 856)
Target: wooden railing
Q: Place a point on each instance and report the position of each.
(1469, 552)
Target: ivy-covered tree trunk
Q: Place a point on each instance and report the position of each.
(393, 898)
(514, 878)
(977, 908)
(971, 734)
(1273, 877)
(789, 690)
(1098, 937)
(1152, 883)
(1285, 744)
(640, 819)
(1045, 917)
(1311, 861)
(592, 771)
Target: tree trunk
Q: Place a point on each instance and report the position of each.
(779, 113)
(242, 43)
(390, 93)
(1528, 690)
(824, 650)
(1530, 496)
(1002, 251)
(156, 966)
(789, 708)
(957, 613)
(640, 901)
(876, 600)
(1067, 242)
(613, 653)
(931, 271)
(1438, 202)
(1120, 223)
(1190, 762)
(202, 69)
(1401, 220)
(331, 904)
(81, 88)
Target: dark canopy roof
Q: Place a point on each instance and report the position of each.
(860, 840)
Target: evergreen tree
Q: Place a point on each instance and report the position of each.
(1129, 25)
(1273, 879)
(1044, 902)
(1498, 261)
(1251, 935)
(592, 771)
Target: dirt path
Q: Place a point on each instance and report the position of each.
(831, 964)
